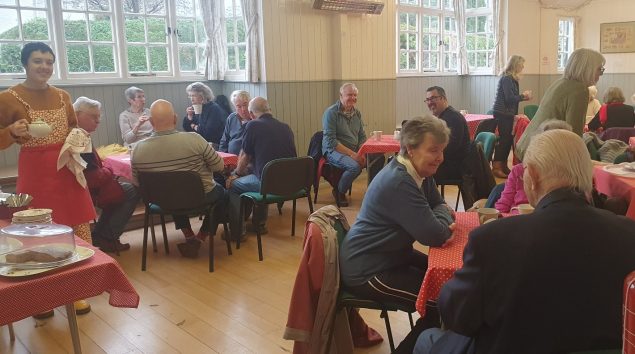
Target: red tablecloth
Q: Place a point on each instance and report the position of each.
(386, 144)
(473, 120)
(120, 164)
(616, 186)
(443, 262)
(23, 297)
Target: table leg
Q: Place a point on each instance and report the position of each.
(72, 324)
(11, 333)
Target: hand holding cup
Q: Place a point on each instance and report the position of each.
(19, 128)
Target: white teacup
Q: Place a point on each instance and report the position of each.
(463, 112)
(198, 108)
(486, 215)
(524, 208)
(395, 135)
(39, 129)
(377, 135)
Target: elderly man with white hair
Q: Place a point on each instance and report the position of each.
(265, 139)
(546, 282)
(116, 199)
(232, 138)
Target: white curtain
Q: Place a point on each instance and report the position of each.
(216, 45)
(252, 23)
(500, 51)
(459, 15)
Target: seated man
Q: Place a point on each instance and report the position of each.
(116, 199)
(232, 138)
(457, 149)
(265, 139)
(343, 136)
(170, 150)
(547, 282)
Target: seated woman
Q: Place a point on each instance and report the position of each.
(134, 121)
(594, 105)
(613, 113)
(402, 205)
(209, 122)
(514, 193)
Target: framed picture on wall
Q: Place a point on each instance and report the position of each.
(617, 37)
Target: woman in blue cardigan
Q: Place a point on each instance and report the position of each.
(210, 122)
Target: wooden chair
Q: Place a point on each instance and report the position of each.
(282, 179)
(177, 193)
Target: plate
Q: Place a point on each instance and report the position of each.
(629, 166)
(8, 244)
(620, 170)
(81, 253)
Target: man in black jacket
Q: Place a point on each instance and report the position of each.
(547, 282)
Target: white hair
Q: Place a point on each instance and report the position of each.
(347, 85)
(239, 95)
(561, 160)
(83, 104)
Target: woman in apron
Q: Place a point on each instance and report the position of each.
(36, 100)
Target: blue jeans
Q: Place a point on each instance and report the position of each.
(351, 168)
(249, 183)
(217, 196)
(435, 340)
(112, 221)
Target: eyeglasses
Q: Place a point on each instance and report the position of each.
(431, 98)
(601, 70)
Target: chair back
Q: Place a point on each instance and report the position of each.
(488, 141)
(629, 315)
(486, 125)
(172, 191)
(287, 176)
(530, 110)
(622, 134)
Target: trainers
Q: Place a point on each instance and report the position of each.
(189, 249)
(340, 198)
(261, 228)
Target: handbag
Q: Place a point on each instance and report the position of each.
(104, 188)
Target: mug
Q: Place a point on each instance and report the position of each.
(463, 112)
(395, 135)
(198, 108)
(377, 135)
(486, 215)
(39, 129)
(524, 209)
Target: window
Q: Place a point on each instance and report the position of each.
(107, 39)
(236, 39)
(565, 41)
(428, 37)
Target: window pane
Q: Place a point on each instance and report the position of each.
(104, 58)
(156, 30)
(7, 2)
(34, 25)
(403, 41)
(33, 3)
(412, 60)
(133, 7)
(137, 60)
(10, 59)
(99, 5)
(158, 58)
(78, 58)
(409, 2)
(75, 26)
(100, 27)
(9, 24)
(231, 58)
(403, 60)
(187, 58)
(200, 30)
(135, 30)
(242, 55)
(185, 7)
(412, 41)
(470, 25)
(73, 4)
(186, 30)
(201, 60)
(412, 22)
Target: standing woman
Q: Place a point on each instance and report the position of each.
(210, 121)
(568, 97)
(505, 108)
(36, 100)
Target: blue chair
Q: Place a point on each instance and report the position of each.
(488, 141)
(530, 110)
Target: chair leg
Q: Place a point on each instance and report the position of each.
(412, 324)
(443, 191)
(310, 203)
(458, 194)
(315, 191)
(227, 240)
(280, 208)
(144, 249)
(165, 235)
(384, 314)
(154, 239)
(260, 258)
(11, 333)
(241, 217)
(293, 220)
(211, 246)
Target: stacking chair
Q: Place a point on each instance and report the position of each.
(322, 168)
(488, 141)
(179, 193)
(282, 179)
(346, 300)
(486, 125)
(530, 110)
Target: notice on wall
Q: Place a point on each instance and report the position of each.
(617, 37)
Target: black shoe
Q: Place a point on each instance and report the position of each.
(109, 246)
(340, 198)
(189, 249)
(262, 228)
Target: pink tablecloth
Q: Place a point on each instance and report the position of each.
(616, 186)
(23, 297)
(443, 262)
(386, 144)
(631, 141)
(473, 121)
(120, 164)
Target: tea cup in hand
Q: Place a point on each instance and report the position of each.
(198, 108)
(39, 129)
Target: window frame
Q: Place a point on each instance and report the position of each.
(240, 74)
(571, 40)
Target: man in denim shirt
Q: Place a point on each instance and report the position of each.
(343, 136)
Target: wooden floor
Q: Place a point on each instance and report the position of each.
(240, 308)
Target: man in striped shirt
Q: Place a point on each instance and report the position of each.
(170, 150)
